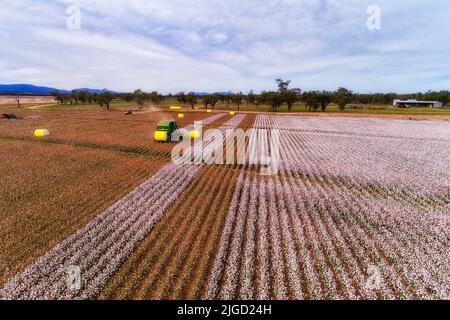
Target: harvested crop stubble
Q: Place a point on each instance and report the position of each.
(104, 129)
(207, 121)
(41, 202)
(100, 247)
(47, 192)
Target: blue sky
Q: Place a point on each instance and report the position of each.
(209, 45)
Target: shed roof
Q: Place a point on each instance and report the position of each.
(416, 101)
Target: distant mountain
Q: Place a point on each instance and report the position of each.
(31, 89)
(208, 93)
(27, 89)
(92, 90)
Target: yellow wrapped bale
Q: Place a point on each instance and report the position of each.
(209, 110)
(175, 108)
(39, 133)
(194, 134)
(231, 113)
(160, 136)
(180, 115)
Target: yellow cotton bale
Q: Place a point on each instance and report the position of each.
(209, 110)
(180, 115)
(194, 134)
(231, 113)
(41, 133)
(160, 136)
(175, 108)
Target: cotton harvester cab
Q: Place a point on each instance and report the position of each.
(167, 131)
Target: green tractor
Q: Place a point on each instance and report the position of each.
(167, 131)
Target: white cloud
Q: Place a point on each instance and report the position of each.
(210, 45)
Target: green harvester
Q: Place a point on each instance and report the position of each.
(167, 131)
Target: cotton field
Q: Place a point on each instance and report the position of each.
(358, 208)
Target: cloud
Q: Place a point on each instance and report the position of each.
(212, 45)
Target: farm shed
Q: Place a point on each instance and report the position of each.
(416, 103)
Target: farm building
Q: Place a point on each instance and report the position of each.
(415, 103)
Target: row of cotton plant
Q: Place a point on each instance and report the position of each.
(323, 243)
(213, 289)
(328, 230)
(205, 146)
(431, 130)
(413, 162)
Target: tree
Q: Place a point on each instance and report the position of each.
(441, 96)
(58, 97)
(237, 99)
(364, 98)
(213, 100)
(181, 97)
(104, 99)
(389, 98)
(227, 99)
(444, 97)
(290, 96)
(210, 100)
(73, 98)
(140, 97)
(342, 97)
(283, 86)
(155, 97)
(221, 97)
(128, 97)
(274, 99)
(205, 101)
(258, 101)
(81, 96)
(251, 97)
(91, 97)
(311, 100)
(65, 98)
(324, 99)
(191, 98)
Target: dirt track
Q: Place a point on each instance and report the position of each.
(26, 99)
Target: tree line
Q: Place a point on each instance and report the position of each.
(313, 100)
(104, 99)
(284, 95)
(85, 97)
